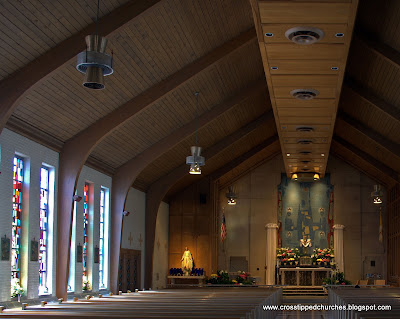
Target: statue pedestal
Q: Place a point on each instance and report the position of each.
(186, 280)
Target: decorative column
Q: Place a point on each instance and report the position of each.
(270, 256)
(338, 246)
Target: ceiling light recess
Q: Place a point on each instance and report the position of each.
(305, 141)
(304, 129)
(304, 35)
(304, 94)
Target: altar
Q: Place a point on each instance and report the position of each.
(304, 276)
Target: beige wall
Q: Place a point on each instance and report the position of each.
(257, 206)
(160, 259)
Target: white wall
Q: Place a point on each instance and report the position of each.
(34, 156)
(160, 259)
(133, 235)
(133, 225)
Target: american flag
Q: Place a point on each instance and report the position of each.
(223, 228)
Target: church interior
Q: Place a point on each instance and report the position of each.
(250, 159)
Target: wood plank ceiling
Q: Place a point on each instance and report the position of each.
(172, 35)
(305, 127)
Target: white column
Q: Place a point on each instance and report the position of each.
(270, 256)
(338, 246)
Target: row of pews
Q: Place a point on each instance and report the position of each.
(363, 298)
(221, 303)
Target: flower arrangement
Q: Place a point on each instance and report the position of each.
(288, 255)
(220, 278)
(243, 278)
(322, 255)
(16, 289)
(86, 285)
(336, 279)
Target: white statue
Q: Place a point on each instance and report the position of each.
(305, 242)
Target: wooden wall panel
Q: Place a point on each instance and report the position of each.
(393, 234)
(190, 226)
(305, 52)
(304, 67)
(311, 12)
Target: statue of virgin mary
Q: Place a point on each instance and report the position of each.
(187, 262)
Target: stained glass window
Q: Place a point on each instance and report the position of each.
(18, 180)
(85, 229)
(43, 223)
(102, 283)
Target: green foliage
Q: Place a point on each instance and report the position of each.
(336, 279)
(86, 285)
(16, 288)
(220, 278)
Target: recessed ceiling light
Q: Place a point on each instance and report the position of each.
(322, 154)
(288, 154)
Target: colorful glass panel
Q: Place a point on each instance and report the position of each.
(85, 229)
(102, 283)
(43, 220)
(18, 180)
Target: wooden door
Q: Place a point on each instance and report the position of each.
(129, 270)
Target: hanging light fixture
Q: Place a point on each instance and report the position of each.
(377, 195)
(316, 177)
(231, 196)
(94, 62)
(294, 176)
(195, 160)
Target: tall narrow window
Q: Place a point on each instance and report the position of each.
(43, 223)
(85, 230)
(18, 179)
(102, 283)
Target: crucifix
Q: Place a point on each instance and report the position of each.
(140, 240)
(130, 238)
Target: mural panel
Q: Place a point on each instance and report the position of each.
(305, 209)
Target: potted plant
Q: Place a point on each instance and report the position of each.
(16, 290)
(85, 285)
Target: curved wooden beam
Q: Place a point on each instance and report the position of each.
(371, 134)
(77, 149)
(384, 170)
(126, 174)
(158, 189)
(20, 83)
(366, 95)
(383, 50)
(271, 142)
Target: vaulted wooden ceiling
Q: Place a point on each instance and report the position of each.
(177, 48)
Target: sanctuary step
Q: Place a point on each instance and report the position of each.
(304, 291)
